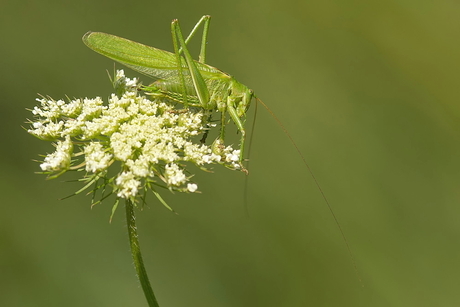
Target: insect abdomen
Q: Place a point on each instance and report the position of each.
(174, 91)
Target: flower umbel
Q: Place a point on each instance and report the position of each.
(150, 138)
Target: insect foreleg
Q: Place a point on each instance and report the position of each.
(240, 125)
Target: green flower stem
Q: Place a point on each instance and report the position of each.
(137, 257)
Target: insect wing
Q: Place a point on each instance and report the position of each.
(150, 61)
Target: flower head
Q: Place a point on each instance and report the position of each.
(151, 140)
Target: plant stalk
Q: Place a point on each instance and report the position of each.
(137, 256)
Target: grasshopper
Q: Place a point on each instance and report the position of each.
(180, 78)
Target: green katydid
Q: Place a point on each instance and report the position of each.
(193, 83)
(180, 78)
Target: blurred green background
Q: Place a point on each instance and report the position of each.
(369, 91)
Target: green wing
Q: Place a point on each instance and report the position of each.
(150, 61)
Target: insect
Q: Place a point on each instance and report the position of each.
(180, 78)
(194, 83)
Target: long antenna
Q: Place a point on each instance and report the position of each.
(317, 184)
(246, 180)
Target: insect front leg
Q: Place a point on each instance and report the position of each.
(240, 125)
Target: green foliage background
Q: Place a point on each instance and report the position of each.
(368, 89)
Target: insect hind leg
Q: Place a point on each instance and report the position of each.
(205, 20)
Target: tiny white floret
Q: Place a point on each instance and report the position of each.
(191, 187)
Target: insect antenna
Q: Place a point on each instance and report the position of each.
(246, 179)
(304, 160)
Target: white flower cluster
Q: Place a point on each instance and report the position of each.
(151, 139)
